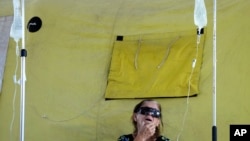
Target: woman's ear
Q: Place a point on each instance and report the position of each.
(135, 117)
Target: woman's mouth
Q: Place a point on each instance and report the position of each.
(148, 119)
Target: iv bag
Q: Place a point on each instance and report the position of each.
(200, 14)
(16, 27)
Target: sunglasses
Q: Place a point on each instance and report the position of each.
(149, 111)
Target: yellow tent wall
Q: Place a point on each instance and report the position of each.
(69, 58)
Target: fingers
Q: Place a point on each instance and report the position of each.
(150, 126)
(148, 130)
(151, 129)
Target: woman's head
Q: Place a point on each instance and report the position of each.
(148, 111)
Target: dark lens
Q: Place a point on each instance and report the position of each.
(150, 111)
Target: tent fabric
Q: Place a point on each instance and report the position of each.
(5, 25)
(69, 58)
(155, 65)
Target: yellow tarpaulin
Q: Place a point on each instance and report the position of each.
(155, 65)
(68, 62)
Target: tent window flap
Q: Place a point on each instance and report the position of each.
(155, 65)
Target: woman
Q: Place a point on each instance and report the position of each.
(147, 120)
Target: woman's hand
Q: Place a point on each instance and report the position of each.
(145, 131)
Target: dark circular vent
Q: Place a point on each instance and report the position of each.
(34, 24)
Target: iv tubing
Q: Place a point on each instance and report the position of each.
(23, 78)
(214, 128)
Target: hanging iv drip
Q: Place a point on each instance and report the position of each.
(200, 16)
(16, 27)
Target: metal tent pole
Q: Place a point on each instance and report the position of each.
(214, 127)
(23, 54)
